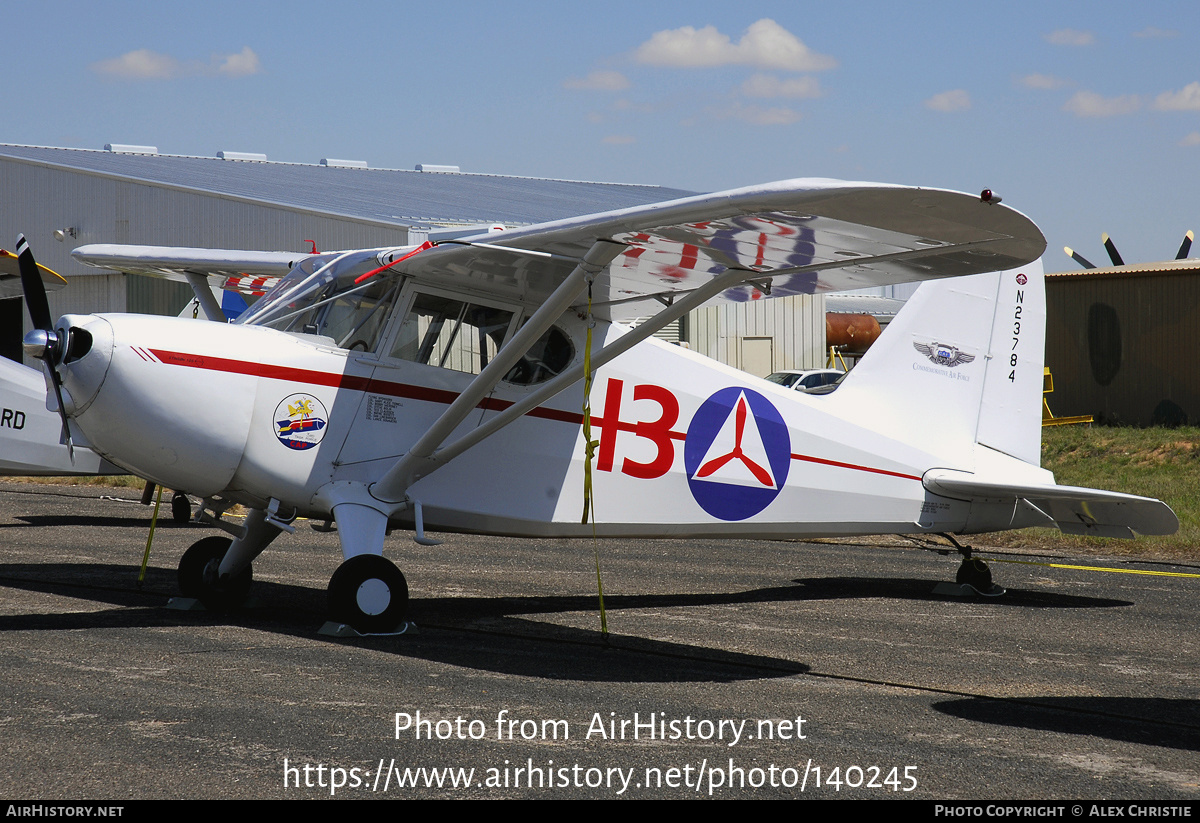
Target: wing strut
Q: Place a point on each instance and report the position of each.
(680, 307)
(417, 462)
(212, 308)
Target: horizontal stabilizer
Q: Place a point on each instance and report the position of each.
(1075, 510)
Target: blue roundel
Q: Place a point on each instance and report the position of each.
(737, 454)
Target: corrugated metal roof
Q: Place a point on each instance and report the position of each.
(409, 198)
(1187, 266)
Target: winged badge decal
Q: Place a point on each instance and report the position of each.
(942, 354)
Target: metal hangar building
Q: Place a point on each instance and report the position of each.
(64, 198)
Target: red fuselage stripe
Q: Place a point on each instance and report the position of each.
(366, 384)
(853, 466)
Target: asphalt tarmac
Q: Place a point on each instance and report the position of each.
(732, 669)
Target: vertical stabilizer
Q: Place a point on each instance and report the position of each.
(1010, 418)
(961, 364)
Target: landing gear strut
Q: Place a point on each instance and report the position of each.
(199, 575)
(369, 594)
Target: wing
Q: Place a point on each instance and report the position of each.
(1073, 509)
(10, 276)
(794, 237)
(245, 271)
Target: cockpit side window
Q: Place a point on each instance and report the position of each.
(451, 334)
(355, 320)
(546, 358)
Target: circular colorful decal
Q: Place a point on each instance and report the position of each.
(737, 454)
(300, 421)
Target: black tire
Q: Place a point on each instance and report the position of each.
(198, 575)
(181, 508)
(975, 573)
(369, 594)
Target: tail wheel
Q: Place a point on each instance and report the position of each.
(369, 594)
(199, 575)
(975, 573)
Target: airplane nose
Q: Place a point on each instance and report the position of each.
(84, 347)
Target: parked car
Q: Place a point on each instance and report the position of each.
(810, 381)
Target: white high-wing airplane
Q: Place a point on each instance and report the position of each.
(442, 386)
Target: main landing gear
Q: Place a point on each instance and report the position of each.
(216, 570)
(369, 594)
(199, 576)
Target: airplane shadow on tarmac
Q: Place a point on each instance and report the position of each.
(1151, 721)
(486, 633)
(896, 588)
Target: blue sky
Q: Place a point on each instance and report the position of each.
(1086, 116)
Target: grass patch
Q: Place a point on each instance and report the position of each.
(116, 481)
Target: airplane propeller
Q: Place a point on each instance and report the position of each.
(43, 342)
(1115, 256)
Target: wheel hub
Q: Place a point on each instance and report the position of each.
(373, 596)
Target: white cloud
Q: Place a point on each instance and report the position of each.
(756, 115)
(768, 85)
(619, 140)
(1186, 99)
(1042, 81)
(598, 81)
(1154, 31)
(1070, 37)
(242, 64)
(1192, 139)
(144, 64)
(765, 45)
(1090, 104)
(954, 100)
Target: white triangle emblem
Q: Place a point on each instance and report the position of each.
(737, 455)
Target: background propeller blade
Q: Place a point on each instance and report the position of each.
(1111, 247)
(1078, 258)
(1185, 246)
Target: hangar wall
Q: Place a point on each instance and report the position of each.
(39, 199)
(762, 336)
(1120, 345)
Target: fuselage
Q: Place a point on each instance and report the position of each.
(685, 445)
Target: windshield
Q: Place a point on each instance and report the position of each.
(320, 296)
